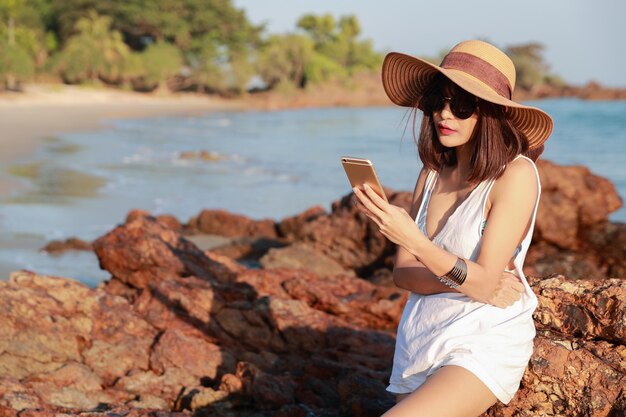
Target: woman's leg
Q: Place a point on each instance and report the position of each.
(452, 391)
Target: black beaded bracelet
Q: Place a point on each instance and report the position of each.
(456, 277)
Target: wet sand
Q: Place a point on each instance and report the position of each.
(28, 118)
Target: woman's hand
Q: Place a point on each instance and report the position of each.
(392, 221)
(507, 292)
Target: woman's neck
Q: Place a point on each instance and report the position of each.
(458, 173)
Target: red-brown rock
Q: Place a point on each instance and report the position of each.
(223, 223)
(303, 256)
(72, 243)
(571, 198)
(143, 251)
(180, 329)
(584, 309)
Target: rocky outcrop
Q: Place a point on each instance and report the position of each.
(572, 233)
(590, 91)
(177, 329)
(572, 200)
(578, 367)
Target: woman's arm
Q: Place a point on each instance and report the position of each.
(409, 273)
(513, 199)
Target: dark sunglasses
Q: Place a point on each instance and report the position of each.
(462, 105)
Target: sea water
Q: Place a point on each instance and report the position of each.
(260, 164)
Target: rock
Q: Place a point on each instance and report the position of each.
(565, 378)
(571, 199)
(166, 220)
(303, 256)
(180, 329)
(608, 241)
(190, 352)
(223, 223)
(362, 396)
(345, 235)
(72, 243)
(272, 392)
(55, 337)
(545, 259)
(15, 396)
(584, 309)
(72, 385)
(202, 155)
(578, 366)
(136, 214)
(291, 227)
(144, 251)
(248, 250)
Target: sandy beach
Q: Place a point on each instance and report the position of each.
(43, 111)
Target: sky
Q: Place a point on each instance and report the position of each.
(584, 40)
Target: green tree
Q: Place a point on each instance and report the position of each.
(16, 65)
(284, 59)
(205, 63)
(322, 68)
(94, 52)
(160, 62)
(339, 42)
(18, 44)
(320, 28)
(531, 68)
(187, 24)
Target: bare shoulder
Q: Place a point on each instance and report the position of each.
(519, 177)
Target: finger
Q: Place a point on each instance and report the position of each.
(374, 196)
(365, 199)
(369, 214)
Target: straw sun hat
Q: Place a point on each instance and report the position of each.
(475, 66)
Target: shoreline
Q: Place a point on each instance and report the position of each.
(44, 111)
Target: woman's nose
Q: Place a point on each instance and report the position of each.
(445, 111)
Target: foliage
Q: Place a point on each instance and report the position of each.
(160, 61)
(206, 64)
(322, 68)
(175, 21)
(15, 65)
(21, 24)
(209, 45)
(94, 52)
(285, 58)
(214, 38)
(339, 41)
(530, 66)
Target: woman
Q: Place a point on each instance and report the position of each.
(466, 333)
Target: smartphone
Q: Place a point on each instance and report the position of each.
(361, 171)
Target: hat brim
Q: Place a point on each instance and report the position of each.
(405, 79)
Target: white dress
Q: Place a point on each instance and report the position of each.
(452, 329)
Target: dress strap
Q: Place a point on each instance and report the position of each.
(420, 219)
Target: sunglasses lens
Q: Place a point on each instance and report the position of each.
(433, 102)
(462, 105)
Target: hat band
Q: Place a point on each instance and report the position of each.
(480, 69)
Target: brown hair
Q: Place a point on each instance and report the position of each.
(494, 143)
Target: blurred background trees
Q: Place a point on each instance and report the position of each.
(201, 45)
(532, 70)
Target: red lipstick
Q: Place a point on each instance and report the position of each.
(445, 130)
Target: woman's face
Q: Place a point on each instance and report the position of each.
(452, 130)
